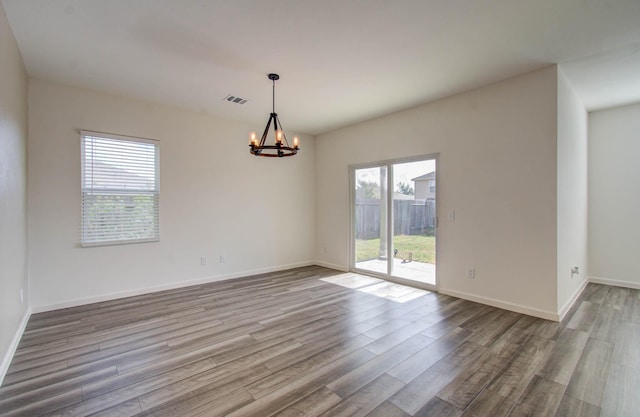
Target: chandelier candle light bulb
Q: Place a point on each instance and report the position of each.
(281, 146)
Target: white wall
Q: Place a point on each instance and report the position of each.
(572, 195)
(614, 197)
(215, 199)
(497, 170)
(13, 193)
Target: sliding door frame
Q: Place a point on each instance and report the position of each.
(389, 163)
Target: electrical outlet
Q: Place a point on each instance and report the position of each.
(203, 260)
(222, 259)
(471, 273)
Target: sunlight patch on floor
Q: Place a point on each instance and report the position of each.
(351, 280)
(375, 286)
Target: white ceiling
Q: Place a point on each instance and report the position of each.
(340, 61)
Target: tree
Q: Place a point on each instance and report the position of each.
(367, 189)
(405, 188)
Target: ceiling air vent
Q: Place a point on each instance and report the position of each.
(235, 99)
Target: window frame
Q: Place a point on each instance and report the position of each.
(85, 235)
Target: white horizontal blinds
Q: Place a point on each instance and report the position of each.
(120, 189)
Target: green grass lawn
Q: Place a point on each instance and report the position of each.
(422, 247)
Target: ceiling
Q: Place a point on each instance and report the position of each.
(340, 61)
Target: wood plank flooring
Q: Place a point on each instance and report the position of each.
(317, 342)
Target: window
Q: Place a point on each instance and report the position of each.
(432, 186)
(120, 189)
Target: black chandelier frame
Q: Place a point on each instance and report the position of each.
(280, 148)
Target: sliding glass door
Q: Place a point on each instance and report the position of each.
(370, 221)
(393, 209)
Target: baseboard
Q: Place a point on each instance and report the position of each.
(6, 360)
(331, 266)
(518, 308)
(567, 306)
(615, 282)
(164, 287)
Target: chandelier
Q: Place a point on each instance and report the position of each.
(280, 145)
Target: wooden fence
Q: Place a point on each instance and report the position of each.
(411, 217)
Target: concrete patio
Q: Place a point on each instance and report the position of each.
(415, 271)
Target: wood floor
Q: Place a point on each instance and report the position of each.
(317, 342)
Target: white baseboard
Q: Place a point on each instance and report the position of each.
(518, 308)
(8, 356)
(164, 287)
(567, 306)
(331, 266)
(615, 282)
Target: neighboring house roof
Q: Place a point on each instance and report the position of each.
(430, 176)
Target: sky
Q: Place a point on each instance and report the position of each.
(402, 172)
